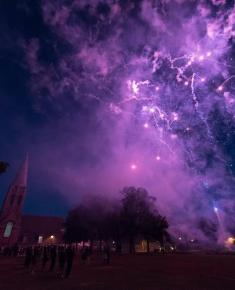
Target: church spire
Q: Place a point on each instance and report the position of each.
(17, 190)
(21, 177)
(10, 215)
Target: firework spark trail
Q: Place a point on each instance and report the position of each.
(221, 86)
(160, 80)
(196, 104)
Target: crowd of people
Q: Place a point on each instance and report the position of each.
(50, 258)
(53, 258)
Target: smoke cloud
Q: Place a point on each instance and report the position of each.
(138, 93)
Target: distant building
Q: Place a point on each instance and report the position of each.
(16, 227)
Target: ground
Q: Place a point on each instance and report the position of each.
(137, 272)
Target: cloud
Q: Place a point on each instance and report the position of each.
(176, 60)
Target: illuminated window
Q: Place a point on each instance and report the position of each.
(8, 230)
(40, 239)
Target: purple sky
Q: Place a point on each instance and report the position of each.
(106, 94)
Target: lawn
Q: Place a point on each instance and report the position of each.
(137, 272)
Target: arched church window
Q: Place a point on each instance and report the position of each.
(8, 230)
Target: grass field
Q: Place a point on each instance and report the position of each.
(138, 272)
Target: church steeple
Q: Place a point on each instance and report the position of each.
(10, 215)
(21, 177)
(17, 190)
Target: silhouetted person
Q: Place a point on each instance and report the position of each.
(85, 254)
(62, 260)
(106, 253)
(69, 260)
(45, 257)
(35, 258)
(15, 250)
(28, 257)
(53, 257)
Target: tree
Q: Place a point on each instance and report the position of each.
(89, 221)
(154, 228)
(3, 166)
(98, 219)
(140, 217)
(77, 225)
(114, 228)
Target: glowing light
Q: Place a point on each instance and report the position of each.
(133, 86)
(173, 136)
(230, 240)
(208, 54)
(203, 80)
(146, 125)
(180, 238)
(216, 209)
(52, 237)
(175, 116)
(220, 88)
(152, 110)
(133, 166)
(157, 88)
(158, 158)
(201, 57)
(186, 83)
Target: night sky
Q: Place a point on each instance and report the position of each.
(105, 94)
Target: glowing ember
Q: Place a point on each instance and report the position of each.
(133, 166)
(230, 240)
(216, 209)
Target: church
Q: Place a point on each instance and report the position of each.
(21, 229)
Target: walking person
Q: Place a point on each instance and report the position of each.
(106, 254)
(28, 257)
(62, 260)
(53, 254)
(35, 258)
(69, 260)
(84, 255)
(45, 258)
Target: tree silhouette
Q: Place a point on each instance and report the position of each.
(3, 166)
(136, 216)
(140, 217)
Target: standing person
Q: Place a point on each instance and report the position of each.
(28, 257)
(35, 257)
(69, 260)
(15, 250)
(106, 254)
(45, 258)
(53, 254)
(62, 260)
(84, 255)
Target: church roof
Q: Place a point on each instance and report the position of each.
(42, 225)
